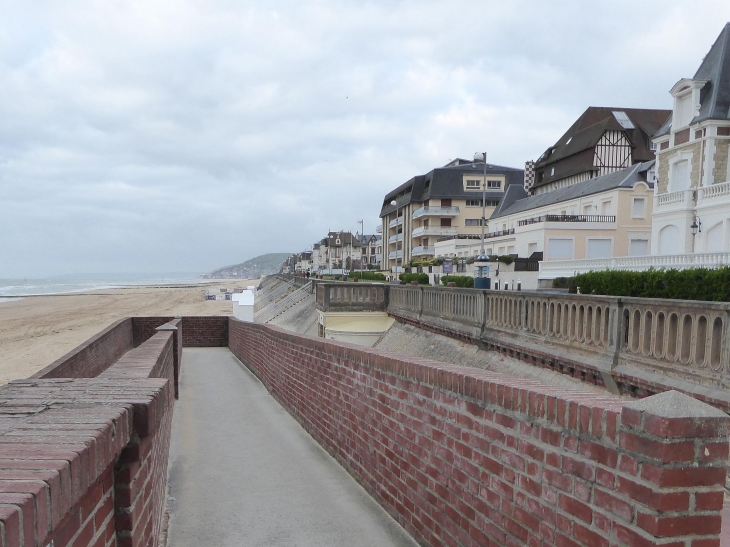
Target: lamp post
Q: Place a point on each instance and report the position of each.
(394, 203)
(362, 237)
(696, 228)
(479, 156)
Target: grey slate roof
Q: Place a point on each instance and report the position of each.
(715, 94)
(624, 178)
(447, 183)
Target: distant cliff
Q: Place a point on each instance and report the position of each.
(251, 269)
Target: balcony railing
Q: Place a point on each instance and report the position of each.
(714, 191)
(394, 254)
(567, 268)
(435, 211)
(673, 200)
(395, 222)
(423, 250)
(567, 218)
(395, 238)
(499, 233)
(459, 236)
(435, 231)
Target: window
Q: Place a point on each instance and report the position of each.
(598, 248)
(606, 208)
(638, 208)
(623, 119)
(478, 202)
(473, 222)
(639, 247)
(445, 222)
(587, 209)
(531, 248)
(494, 184)
(679, 176)
(552, 171)
(559, 248)
(683, 111)
(652, 145)
(473, 184)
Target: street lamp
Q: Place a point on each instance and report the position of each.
(696, 225)
(394, 203)
(482, 156)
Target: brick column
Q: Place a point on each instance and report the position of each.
(672, 467)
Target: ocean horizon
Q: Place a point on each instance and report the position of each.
(13, 289)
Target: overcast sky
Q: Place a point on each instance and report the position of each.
(158, 136)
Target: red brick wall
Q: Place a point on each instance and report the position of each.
(197, 331)
(464, 456)
(93, 356)
(83, 462)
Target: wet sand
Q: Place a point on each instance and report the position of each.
(35, 331)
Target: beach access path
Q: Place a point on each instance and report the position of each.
(244, 472)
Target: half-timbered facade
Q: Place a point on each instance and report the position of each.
(601, 141)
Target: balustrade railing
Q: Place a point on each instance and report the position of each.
(351, 296)
(567, 218)
(714, 191)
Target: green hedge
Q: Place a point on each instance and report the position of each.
(464, 281)
(422, 278)
(368, 276)
(689, 284)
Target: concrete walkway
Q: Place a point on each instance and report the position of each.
(244, 473)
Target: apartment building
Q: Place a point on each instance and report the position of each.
(600, 218)
(445, 203)
(602, 140)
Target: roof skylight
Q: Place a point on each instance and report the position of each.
(623, 119)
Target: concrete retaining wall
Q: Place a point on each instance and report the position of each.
(462, 456)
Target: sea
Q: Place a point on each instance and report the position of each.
(15, 289)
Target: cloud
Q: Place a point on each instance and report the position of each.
(186, 135)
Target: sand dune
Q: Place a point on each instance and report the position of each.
(35, 331)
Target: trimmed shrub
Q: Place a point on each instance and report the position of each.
(565, 283)
(463, 281)
(370, 276)
(421, 278)
(689, 284)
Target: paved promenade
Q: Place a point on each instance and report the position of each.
(244, 473)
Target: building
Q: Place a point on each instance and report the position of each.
(602, 140)
(343, 249)
(599, 218)
(693, 181)
(371, 250)
(444, 203)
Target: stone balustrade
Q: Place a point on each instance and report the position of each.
(351, 296)
(633, 345)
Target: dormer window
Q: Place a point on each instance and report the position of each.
(686, 95)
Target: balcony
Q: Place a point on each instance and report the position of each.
(428, 211)
(424, 250)
(393, 254)
(395, 238)
(682, 199)
(567, 218)
(379, 229)
(395, 222)
(425, 231)
(714, 192)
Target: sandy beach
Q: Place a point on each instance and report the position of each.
(35, 331)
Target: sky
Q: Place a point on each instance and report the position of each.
(186, 135)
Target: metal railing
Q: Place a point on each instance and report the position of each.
(435, 211)
(567, 218)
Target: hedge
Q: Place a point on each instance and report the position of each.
(368, 276)
(421, 278)
(689, 284)
(463, 281)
